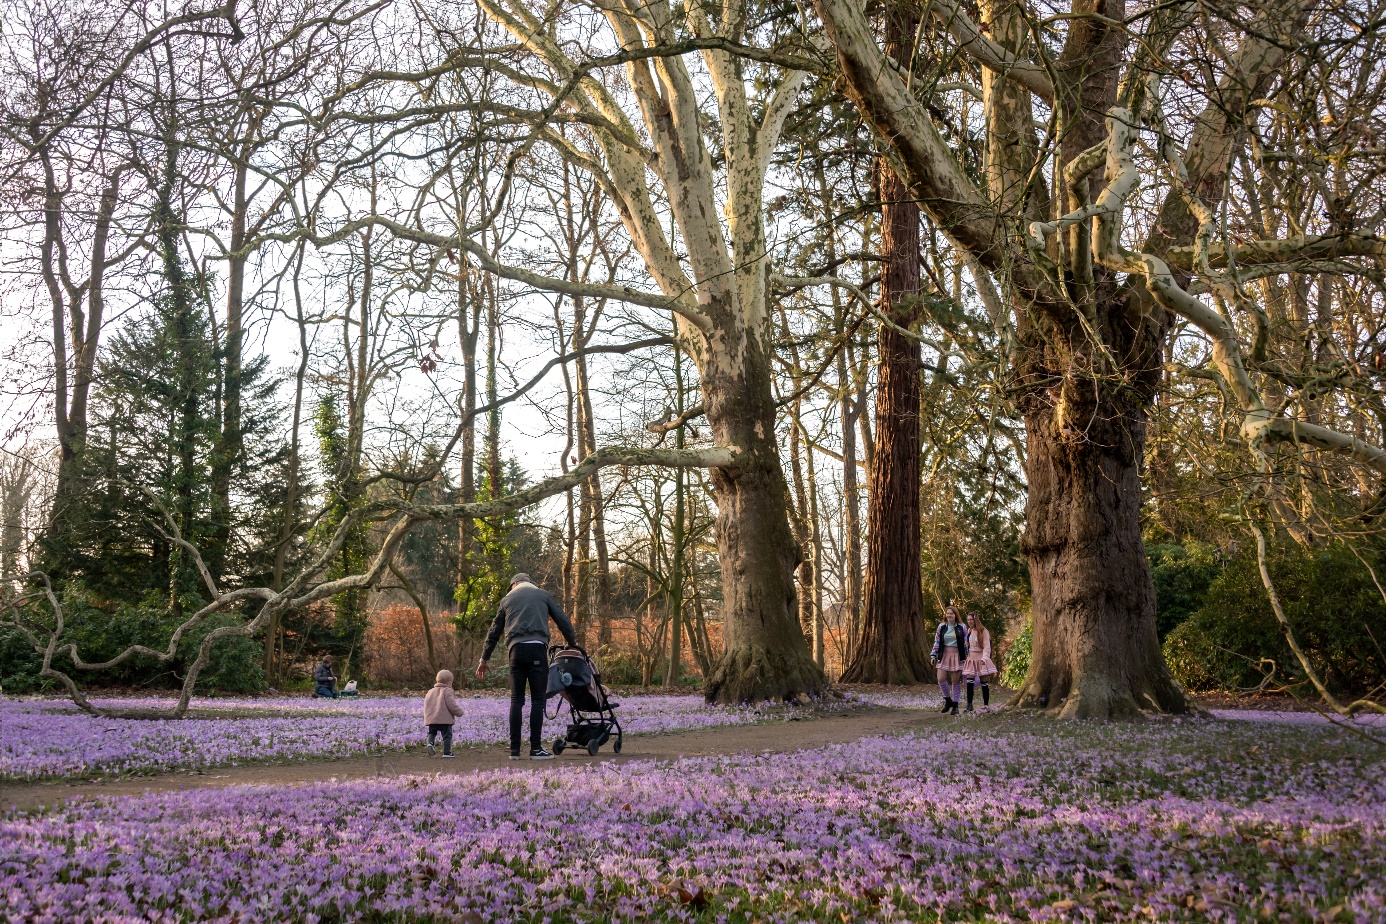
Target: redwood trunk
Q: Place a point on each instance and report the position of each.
(766, 655)
(891, 646)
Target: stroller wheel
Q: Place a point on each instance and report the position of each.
(616, 748)
(559, 744)
(594, 746)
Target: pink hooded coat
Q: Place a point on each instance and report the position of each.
(440, 706)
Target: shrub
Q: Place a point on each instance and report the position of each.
(1330, 600)
(236, 664)
(396, 652)
(1015, 660)
(19, 665)
(99, 634)
(1183, 575)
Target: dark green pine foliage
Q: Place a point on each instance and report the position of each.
(156, 427)
(149, 457)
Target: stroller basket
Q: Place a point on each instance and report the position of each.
(592, 722)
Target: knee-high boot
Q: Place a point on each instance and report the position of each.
(971, 688)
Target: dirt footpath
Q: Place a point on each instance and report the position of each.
(771, 738)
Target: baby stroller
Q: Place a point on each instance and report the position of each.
(591, 715)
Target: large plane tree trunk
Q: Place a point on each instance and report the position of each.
(1087, 343)
(765, 655)
(714, 273)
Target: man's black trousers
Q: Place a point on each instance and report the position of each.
(529, 666)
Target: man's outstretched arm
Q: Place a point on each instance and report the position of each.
(492, 637)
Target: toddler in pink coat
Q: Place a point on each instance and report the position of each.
(441, 711)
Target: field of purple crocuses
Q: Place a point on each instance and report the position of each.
(1001, 820)
(43, 739)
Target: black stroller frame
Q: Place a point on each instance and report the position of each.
(592, 719)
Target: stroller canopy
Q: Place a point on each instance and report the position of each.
(571, 676)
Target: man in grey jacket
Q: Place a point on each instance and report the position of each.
(524, 616)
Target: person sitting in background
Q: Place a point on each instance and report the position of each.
(325, 680)
(441, 711)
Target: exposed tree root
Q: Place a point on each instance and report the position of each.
(1098, 697)
(755, 674)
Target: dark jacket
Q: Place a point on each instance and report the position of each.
(524, 616)
(937, 653)
(323, 676)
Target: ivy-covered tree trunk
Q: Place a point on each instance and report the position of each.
(230, 443)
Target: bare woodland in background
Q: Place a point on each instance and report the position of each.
(819, 318)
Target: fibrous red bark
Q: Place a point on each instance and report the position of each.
(890, 646)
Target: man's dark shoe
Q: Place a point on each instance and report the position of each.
(540, 754)
(514, 755)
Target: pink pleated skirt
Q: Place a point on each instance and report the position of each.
(950, 661)
(978, 665)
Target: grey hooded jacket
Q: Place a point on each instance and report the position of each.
(524, 616)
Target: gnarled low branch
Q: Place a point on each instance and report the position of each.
(47, 639)
(1259, 425)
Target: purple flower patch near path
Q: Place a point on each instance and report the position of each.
(929, 698)
(1188, 821)
(1365, 720)
(48, 738)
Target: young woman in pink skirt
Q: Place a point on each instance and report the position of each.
(977, 665)
(948, 654)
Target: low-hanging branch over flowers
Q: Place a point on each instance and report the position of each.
(46, 634)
